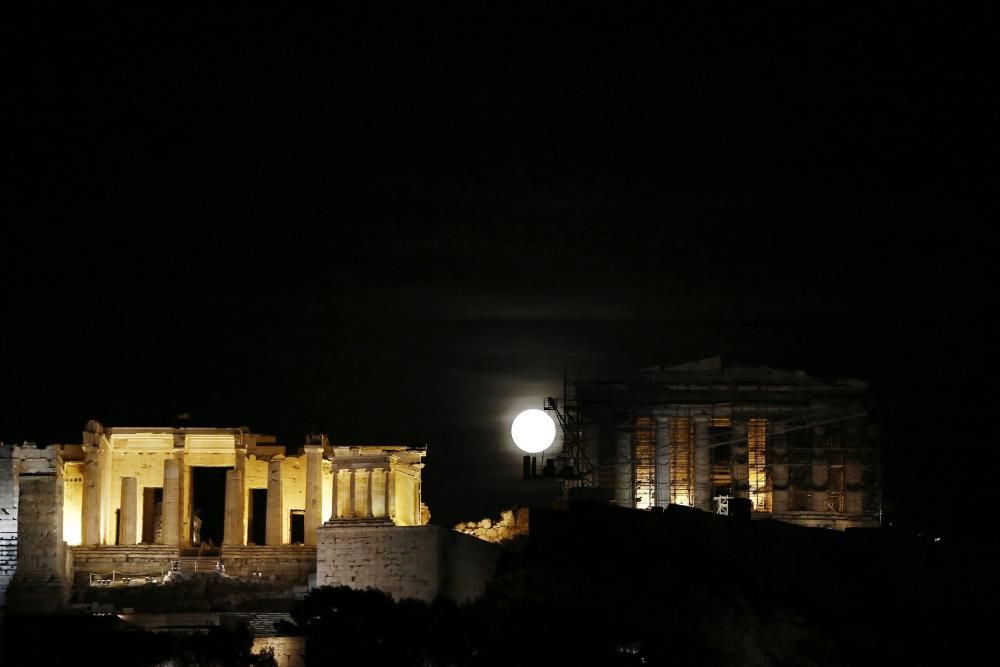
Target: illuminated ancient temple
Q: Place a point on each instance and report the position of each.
(126, 486)
(151, 499)
(800, 449)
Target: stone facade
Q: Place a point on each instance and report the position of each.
(421, 562)
(39, 583)
(801, 449)
(123, 478)
(123, 500)
(289, 564)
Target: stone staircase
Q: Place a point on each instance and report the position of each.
(261, 622)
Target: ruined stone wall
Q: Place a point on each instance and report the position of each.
(512, 523)
(405, 561)
(290, 564)
(39, 582)
(8, 519)
(419, 562)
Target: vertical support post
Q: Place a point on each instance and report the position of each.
(662, 461)
(350, 497)
(233, 526)
(314, 491)
(702, 465)
(376, 493)
(384, 474)
(106, 492)
(171, 531)
(335, 512)
(369, 478)
(127, 511)
(275, 507)
(624, 487)
(741, 471)
(390, 494)
(91, 496)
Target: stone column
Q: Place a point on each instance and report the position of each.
(91, 497)
(275, 506)
(314, 491)
(171, 531)
(662, 461)
(127, 511)
(741, 473)
(390, 492)
(624, 485)
(107, 491)
(362, 492)
(233, 526)
(350, 496)
(702, 465)
(384, 482)
(335, 512)
(370, 501)
(185, 504)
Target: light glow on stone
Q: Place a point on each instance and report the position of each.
(533, 431)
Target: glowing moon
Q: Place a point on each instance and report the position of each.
(533, 431)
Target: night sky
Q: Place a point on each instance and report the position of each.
(400, 226)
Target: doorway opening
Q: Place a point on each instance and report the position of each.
(209, 505)
(152, 512)
(257, 528)
(298, 527)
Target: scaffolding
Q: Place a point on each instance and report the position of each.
(647, 450)
(760, 480)
(681, 458)
(645, 462)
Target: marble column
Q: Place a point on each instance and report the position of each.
(662, 461)
(91, 497)
(314, 491)
(171, 531)
(350, 496)
(275, 507)
(107, 492)
(390, 495)
(624, 485)
(335, 511)
(362, 492)
(702, 465)
(234, 534)
(741, 471)
(384, 484)
(127, 511)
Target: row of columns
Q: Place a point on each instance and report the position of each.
(370, 493)
(365, 498)
(700, 472)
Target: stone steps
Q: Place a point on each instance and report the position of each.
(261, 623)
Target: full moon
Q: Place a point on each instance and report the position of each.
(533, 431)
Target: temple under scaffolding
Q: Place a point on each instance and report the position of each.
(702, 434)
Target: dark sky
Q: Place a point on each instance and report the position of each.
(402, 225)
